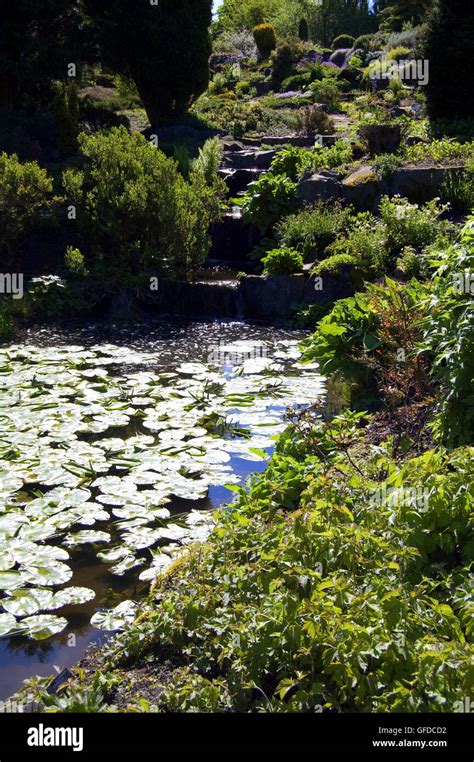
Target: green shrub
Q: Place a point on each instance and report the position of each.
(295, 82)
(135, 212)
(365, 241)
(410, 224)
(457, 189)
(360, 339)
(448, 337)
(385, 165)
(312, 121)
(25, 198)
(343, 41)
(75, 262)
(284, 59)
(265, 39)
(356, 62)
(410, 262)
(399, 54)
(327, 92)
(364, 42)
(268, 199)
(336, 264)
(313, 229)
(440, 151)
(283, 261)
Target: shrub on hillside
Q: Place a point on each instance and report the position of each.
(327, 92)
(343, 41)
(313, 229)
(265, 39)
(135, 211)
(312, 121)
(448, 338)
(284, 59)
(283, 261)
(25, 197)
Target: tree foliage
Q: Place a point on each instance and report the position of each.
(135, 211)
(449, 50)
(164, 48)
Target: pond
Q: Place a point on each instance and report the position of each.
(116, 447)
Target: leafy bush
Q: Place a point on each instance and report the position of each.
(283, 261)
(361, 337)
(236, 41)
(75, 262)
(327, 92)
(265, 39)
(365, 241)
(364, 42)
(25, 198)
(336, 264)
(313, 229)
(343, 41)
(386, 622)
(356, 62)
(440, 151)
(284, 59)
(399, 53)
(448, 337)
(312, 121)
(385, 165)
(268, 199)
(457, 189)
(134, 209)
(295, 82)
(410, 224)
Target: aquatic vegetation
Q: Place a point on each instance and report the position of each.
(97, 442)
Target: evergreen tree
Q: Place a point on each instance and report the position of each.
(450, 52)
(164, 47)
(37, 42)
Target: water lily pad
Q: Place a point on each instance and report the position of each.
(43, 626)
(27, 602)
(53, 573)
(8, 625)
(81, 538)
(10, 580)
(117, 618)
(71, 596)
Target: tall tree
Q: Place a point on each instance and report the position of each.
(164, 47)
(37, 42)
(394, 14)
(450, 52)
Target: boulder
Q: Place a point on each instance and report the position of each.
(341, 56)
(322, 185)
(419, 184)
(259, 159)
(381, 138)
(362, 189)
